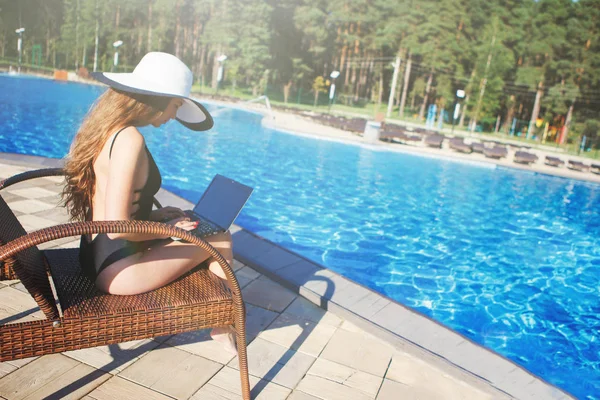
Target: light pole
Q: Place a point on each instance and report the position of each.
(460, 94)
(221, 59)
(116, 45)
(333, 75)
(20, 45)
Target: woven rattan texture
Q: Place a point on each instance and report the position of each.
(7, 272)
(29, 264)
(40, 337)
(78, 296)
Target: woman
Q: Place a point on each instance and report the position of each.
(111, 175)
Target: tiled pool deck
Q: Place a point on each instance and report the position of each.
(356, 345)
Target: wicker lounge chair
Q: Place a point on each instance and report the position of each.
(88, 317)
(477, 147)
(578, 166)
(554, 161)
(496, 152)
(434, 140)
(459, 145)
(522, 157)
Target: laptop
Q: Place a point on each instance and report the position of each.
(219, 206)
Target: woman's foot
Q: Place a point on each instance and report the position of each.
(226, 336)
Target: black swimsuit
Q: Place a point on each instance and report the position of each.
(97, 254)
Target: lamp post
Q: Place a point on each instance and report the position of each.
(221, 59)
(460, 94)
(116, 45)
(333, 75)
(20, 45)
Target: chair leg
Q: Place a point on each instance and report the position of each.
(243, 359)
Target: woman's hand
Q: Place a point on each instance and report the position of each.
(183, 223)
(166, 214)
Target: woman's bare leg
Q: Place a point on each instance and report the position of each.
(161, 265)
(223, 243)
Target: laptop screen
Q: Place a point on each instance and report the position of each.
(222, 201)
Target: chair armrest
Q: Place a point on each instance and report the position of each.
(42, 173)
(93, 227)
(38, 173)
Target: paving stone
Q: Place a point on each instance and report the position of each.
(329, 390)
(480, 361)
(10, 197)
(367, 383)
(19, 384)
(73, 384)
(325, 283)
(298, 395)
(22, 361)
(265, 293)
(201, 344)
(393, 316)
(298, 334)
(309, 311)
(421, 376)
(518, 383)
(30, 206)
(300, 272)
(350, 294)
(6, 368)
(433, 336)
(172, 371)
(249, 248)
(32, 223)
(237, 265)
(276, 258)
(113, 358)
(275, 363)
(391, 390)
(16, 306)
(357, 351)
(369, 305)
(19, 286)
(34, 192)
(249, 273)
(257, 319)
(119, 388)
(226, 384)
(57, 214)
(542, 391)
(246, 275)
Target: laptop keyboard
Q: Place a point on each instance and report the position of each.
(204, 229)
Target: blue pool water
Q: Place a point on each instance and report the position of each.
(509, 259)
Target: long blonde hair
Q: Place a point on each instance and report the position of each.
(112, 110)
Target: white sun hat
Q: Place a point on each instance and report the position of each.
(164, 75)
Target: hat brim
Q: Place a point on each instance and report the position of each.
(191, 114)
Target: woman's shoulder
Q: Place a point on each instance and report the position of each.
(129, 135)
(125, 142)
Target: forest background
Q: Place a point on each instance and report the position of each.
(524, 65)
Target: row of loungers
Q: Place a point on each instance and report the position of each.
(489, 148)
(356, 125)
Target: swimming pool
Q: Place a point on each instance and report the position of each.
(510, 259)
